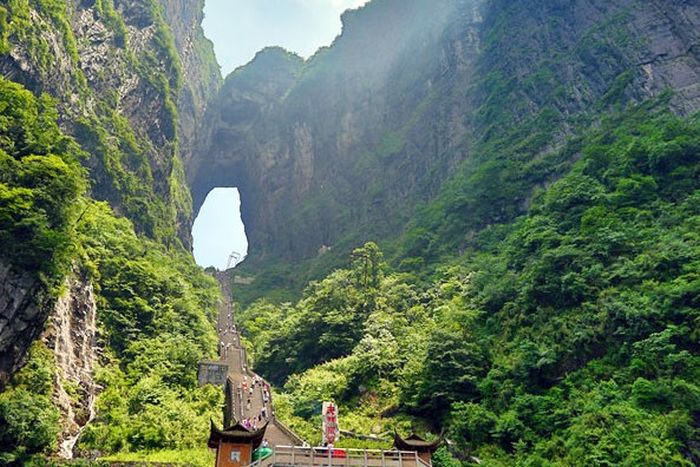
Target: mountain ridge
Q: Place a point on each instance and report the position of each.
(393, 128)
(529, 169)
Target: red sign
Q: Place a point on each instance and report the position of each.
(331, 431)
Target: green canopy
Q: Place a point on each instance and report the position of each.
(261, 453)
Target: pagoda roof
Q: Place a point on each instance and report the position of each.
(236, 433)
(415, 443)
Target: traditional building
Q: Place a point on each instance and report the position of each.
(415, 443)
(235, 445)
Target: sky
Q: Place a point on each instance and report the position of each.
(218, 230)
(239, 29)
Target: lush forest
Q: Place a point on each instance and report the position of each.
(156, 307)
(567, 337)
(523, 276)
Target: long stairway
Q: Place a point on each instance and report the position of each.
(288, 449)
(233, 353)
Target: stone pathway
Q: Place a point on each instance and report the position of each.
(234, 355)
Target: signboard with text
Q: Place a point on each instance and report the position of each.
(212, 373)
(331, 431)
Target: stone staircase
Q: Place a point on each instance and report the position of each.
(234, 355)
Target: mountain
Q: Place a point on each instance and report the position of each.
(124, 94)
(98, 289)
(414, 97)
(476, 217)
(304, 139)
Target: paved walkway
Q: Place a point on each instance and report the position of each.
(247, 404)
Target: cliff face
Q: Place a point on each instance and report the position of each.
(129, 79)
(72, 335)
(23, 310)
(201, 76)
(311, 145)
(345, 147)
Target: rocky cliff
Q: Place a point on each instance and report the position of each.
(72, 336)
(24, 306)
(294, 136)
(129, 79)
(201, 76)
(347, 146)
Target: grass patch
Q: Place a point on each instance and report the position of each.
(191, 457)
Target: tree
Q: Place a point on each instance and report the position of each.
(453, 366)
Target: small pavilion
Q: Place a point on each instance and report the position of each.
(235, 445)
(425, 449)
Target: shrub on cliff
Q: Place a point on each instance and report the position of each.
(40, 183)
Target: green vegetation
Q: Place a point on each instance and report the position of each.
(436, 198)
(155, 306)
(4, 31)
(156, 314)
(568, 336)
(195, 458)
(113, 20)
(542, 307)
(57, 11)
(20, 26)
(142, 165)
(28, 417)
(40, 179)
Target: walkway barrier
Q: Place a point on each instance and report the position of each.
(288, 456)
(271, 413)
(286, 430)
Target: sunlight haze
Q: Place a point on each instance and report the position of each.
(239, 29)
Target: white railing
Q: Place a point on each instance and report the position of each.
(339, 457)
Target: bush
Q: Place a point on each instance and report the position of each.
(29, 419)
(40, 183)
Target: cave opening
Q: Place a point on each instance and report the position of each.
(218, 231)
